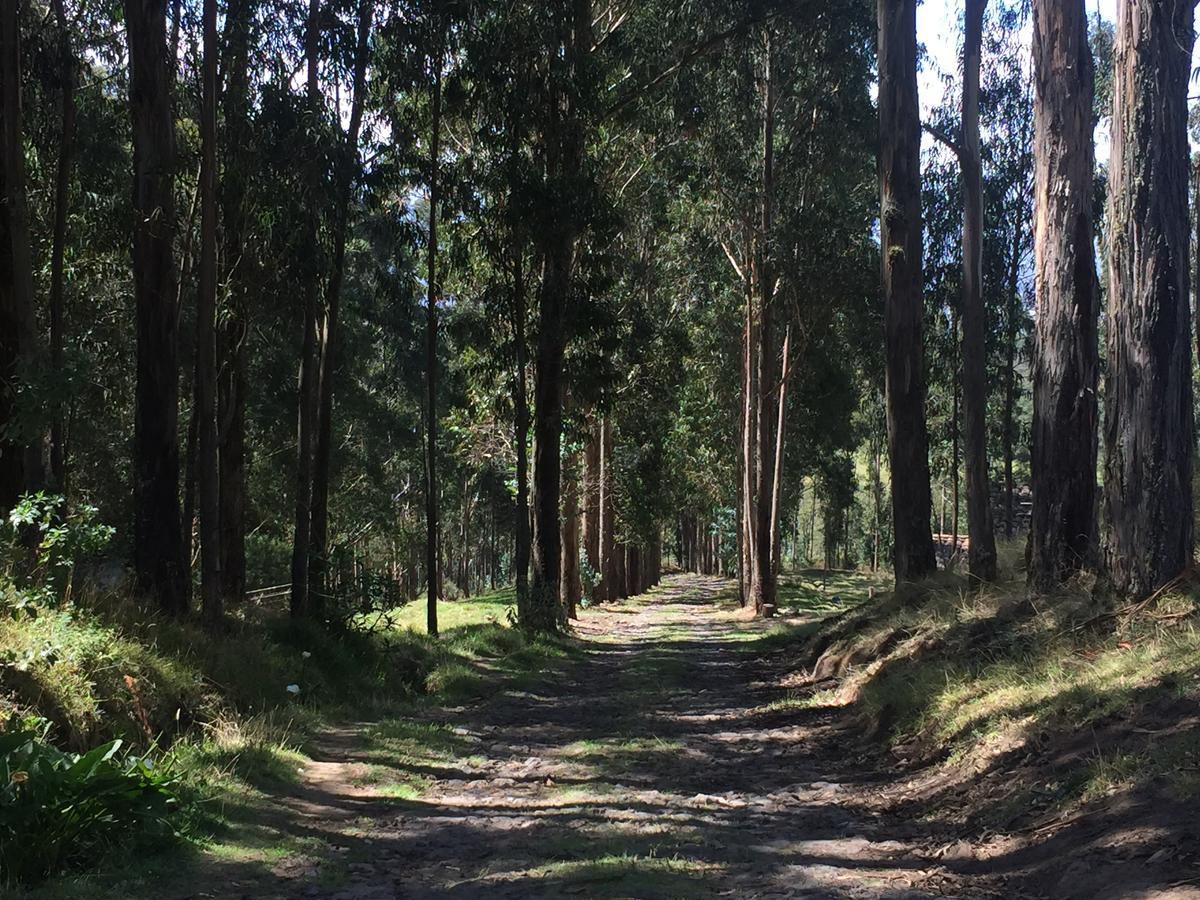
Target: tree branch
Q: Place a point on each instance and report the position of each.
(689, 55)
(942, 137)
(733, 260)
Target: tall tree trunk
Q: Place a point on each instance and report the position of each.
(876, 501)
(433, 558)
(467, 510)
(980, 531)
(212, 607)
(812, 523)
(621, 580)
(763, 592)
(1063, 528)
(780, 433)
(307, 405)
(347, 164)
(35, 474)
(749, 439)
(591, 498)
(1196, 271)
(1012, 304)
(544, 598)
(191, 444)
(955, 455)
(58, 246)
(1148, 421)
(900, 232)
(521, 549)
(233, 327)
(608, 512)
(743, 562)
(570, 587)
(564, 148)
(157, 553)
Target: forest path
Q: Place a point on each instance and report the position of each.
(653, 765)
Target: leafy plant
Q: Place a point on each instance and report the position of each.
(58, 536)
(63, 810)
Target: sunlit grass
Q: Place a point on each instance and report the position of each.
(629, 875)
(966, 676)
(489, 607)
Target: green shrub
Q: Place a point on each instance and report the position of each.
(61, 537)
(64, 810)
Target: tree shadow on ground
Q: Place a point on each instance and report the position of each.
(650, 764)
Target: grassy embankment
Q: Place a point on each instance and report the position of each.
(1034, 707)
(218, 709)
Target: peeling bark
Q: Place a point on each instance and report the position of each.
(1062, 538)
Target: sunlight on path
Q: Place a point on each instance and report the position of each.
(655, 766)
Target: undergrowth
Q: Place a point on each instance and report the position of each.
(237, 712)
(1082, 693)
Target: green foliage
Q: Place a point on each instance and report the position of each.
(64, 810)
(59, 536)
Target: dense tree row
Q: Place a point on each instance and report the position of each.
(377, 300)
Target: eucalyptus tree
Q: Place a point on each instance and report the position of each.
(346, 167)
(67, 71)
(1066, 360)
(21, 352)
(900, 241)
(501, 134)
(332, 169)
(158, 560)
(982, 549)
(1008, 118)
(308, 393)
(211, 583)
(1148, 400)
(233, 336)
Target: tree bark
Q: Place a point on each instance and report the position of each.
(780, 432)
(563, 141)
(763, 592)
(521, 549)
(591, 499)
(328, 334)
(212, 606)
(58, 246)
(570, 587)
(433, 559)
(900, 233)
(980, 530)
(1148, 421)
(157, 549)
(955, 454)
(307, 407)
(544, 601)
(19, 286)
(233, 327)
(746, 515)
(608, 511)
(1063, 532)
(1013, 307)
(750, 436)
(1196, 271)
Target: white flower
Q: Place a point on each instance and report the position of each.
(293, 688)
(305, 654)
